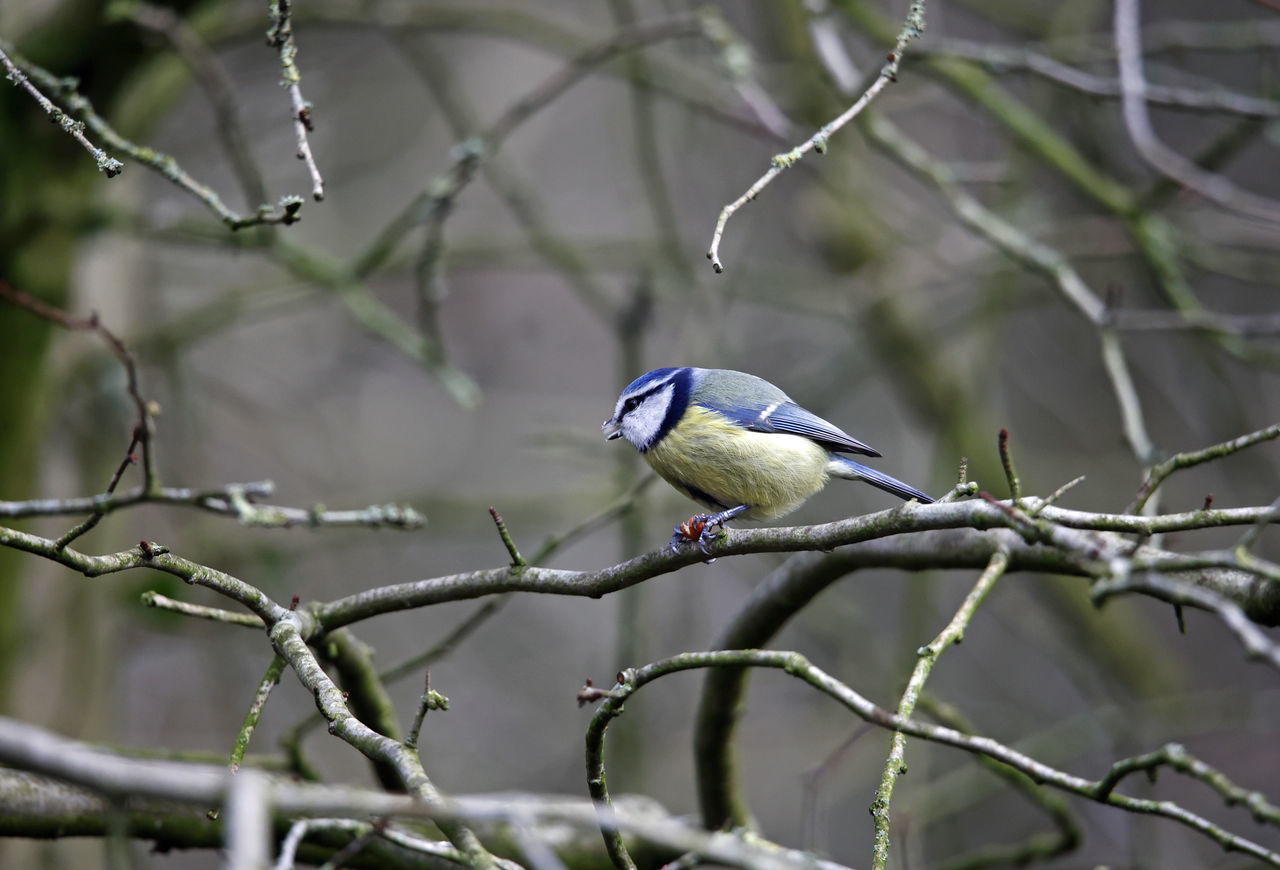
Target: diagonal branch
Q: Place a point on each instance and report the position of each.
(79, 107)
(927, 657)
(106, 163)
(911, 29)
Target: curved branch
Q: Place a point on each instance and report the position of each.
(148, 555)
(796, 665)
(795, 583)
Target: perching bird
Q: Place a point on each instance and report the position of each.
(736, 444)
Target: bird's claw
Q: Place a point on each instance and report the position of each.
(697, 528)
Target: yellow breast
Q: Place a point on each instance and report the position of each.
(722, 465)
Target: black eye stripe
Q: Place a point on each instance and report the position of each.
(629, 405)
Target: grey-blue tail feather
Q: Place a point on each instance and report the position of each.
(850, 470)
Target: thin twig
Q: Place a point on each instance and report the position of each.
(517, 561)
(144, 425)
(1234, 37)
(254, 713)
(284, 212)
(735, 57)
(400, 837)
(94, 518)
(478, 152)
(216, 83)
(353, 848)
(1034, 255)
(430, 700)
(144, 428)
(912, 28)
(926, 657)
(1126, 392)
(583, 64)
(1006, 462)
(491, 606)
(106, 163)
(1175, 756)
(1058, 493)
(1179, 461)
(280, 37)
(814, 783)
(151, 598)
(1254, 532)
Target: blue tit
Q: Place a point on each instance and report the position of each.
(736, 444)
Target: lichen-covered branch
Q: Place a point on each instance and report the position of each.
(280, 37)
(254, 713)
(81, 110)
(106, 163)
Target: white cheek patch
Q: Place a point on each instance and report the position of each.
(641, 426)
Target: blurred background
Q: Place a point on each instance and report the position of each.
(461, 352)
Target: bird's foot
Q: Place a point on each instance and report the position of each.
(701, 528)
(697, 528)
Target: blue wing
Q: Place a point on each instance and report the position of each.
(789, 418)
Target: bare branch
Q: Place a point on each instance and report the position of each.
(27, 747)
(144, 428)
(1179, 461)
(280, 37)
(926, 657)
(79, 107)
(214, 80)
(796, 665)
(268, 682)
(1257, 645)
(911, 29)
(1175, 756)
(106, 163)
(214, 614)
(1210, 185)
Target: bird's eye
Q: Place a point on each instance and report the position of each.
(630, 405)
